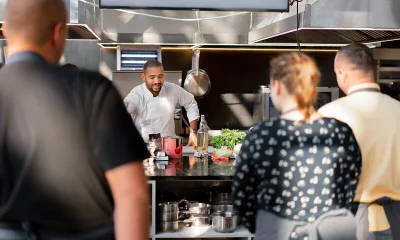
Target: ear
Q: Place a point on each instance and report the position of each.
(276, 86)
(59, 34)
(4, 29)
(143, 77)
(342, 77)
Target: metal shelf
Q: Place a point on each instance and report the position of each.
(388, 80)
(203, 232)
(389, 69)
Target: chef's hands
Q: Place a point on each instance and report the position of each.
(193, 140)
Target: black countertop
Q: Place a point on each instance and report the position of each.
(189, 168)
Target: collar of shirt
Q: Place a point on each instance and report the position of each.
(363, 86)
(25, 57)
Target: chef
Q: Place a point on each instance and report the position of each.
(152, 104)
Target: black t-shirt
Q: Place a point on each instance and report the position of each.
(60, 131)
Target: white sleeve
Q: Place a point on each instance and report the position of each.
(132, 103)
(186, 100)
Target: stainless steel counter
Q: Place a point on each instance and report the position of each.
(189, 168)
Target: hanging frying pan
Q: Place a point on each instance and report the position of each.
(197, 81)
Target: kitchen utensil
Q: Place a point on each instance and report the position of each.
(200, 220)
(224, 208)
(198, 208)
(224, 222)
(197, 81)
(168, 216)
(172, 146)
(169, 226)
(168, 207)
(224, 199)
(223, 152)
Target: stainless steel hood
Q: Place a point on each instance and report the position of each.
(83, 20)
(333, 22)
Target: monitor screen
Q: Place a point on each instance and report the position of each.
(222, 5)
(134, 59)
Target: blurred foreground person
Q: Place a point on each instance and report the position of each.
(70, 156)
(296, 175)
(374, 118)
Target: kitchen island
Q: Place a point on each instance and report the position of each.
(194, 179)
(189, 168)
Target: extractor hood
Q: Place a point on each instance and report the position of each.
(76, 31)
(82, 24)
(333, 22)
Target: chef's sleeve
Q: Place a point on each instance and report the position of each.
(114, 139)
(131, 103)
(186, 100)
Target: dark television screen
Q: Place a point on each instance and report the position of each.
(221, 5)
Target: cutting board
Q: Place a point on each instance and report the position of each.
(190, 150)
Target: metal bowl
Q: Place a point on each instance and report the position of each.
(224, 222)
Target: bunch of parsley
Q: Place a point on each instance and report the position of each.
(228, 138)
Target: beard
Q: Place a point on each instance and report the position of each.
(156, 87)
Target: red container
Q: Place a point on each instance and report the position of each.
(172, 146)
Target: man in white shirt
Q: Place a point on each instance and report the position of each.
(374, 118)
(152, 104)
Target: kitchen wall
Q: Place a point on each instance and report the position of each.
(231, 72)
(237, 73)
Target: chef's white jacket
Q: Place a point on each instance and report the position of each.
(156, 114)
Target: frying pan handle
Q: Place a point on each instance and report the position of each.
(195, 60)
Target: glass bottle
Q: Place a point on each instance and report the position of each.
(202, 136)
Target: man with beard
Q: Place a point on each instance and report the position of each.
(152, 104)
(70, 156)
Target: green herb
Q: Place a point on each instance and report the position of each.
(228, 138)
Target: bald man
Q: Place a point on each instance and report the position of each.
(374, 118)
(70, 156)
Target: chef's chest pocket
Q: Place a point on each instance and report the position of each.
(156, 110)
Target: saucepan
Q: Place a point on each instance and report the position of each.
(197, 81)
(197, 208)
(224, 222)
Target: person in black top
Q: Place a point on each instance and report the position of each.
(293, 169)
(70, 156)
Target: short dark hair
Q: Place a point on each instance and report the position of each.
(151, 63)
(360, 56)
(34, 20)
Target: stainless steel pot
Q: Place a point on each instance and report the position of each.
(197, 81)
(169, 226)
(224, 208)
(168, 216)
(168, 207)
(224, 222)
(224, 198)
(199, 220)
(200, 208)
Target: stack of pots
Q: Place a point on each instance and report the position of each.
(168, 216)
(224, 217)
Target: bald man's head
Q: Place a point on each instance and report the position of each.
(33, 20)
